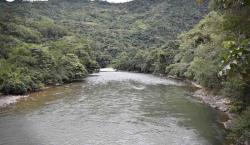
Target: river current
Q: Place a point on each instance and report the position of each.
(112, 108)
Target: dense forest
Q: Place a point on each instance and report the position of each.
(60, 41)
(48, 43)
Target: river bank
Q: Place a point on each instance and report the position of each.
(136, 108)
(6, 100)
(217, 102)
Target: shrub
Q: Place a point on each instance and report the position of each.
(49, 29)
(25, 33)
(177, 69)
(6, 68)
(13, 84)
(234, 88)
(205, 73)
(241, 128)
(70, 68)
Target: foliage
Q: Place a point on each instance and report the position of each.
(205, 73)
(234, 5)
(48, 28)
(38, 47)
(177, 70)
(27, 34)
(234, 72)
(237, 59)
(234, 88)
(7, 68)
(60, 41)
(153, 61)
(71, 68)
(241, 128)
(199, 52)
(13, 83)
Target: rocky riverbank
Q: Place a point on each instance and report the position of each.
(217, 102)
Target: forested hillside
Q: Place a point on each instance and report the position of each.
(48, 43)
(214, 53)
(60, 41)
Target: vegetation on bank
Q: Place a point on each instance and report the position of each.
(215, 53)
(60, 41)
(50, 43)
(36, 52)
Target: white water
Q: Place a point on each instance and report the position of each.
(107, 70)
(7, 100)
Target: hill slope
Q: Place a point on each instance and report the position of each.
(60, 41)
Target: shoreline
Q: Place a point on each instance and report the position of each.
(219, 103)
(7, 100)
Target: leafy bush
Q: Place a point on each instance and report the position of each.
(13, 84)
(241, 128)
(103, 58)
(177, 69)
(234, 88)
(49, 29)
(7, 69)
(20, 31)
(71, 69)
(122, 62)
(205, 73)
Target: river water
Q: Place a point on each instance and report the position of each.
(112, 108)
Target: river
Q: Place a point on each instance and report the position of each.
(112, 108)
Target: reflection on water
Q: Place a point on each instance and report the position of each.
(112, 108)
